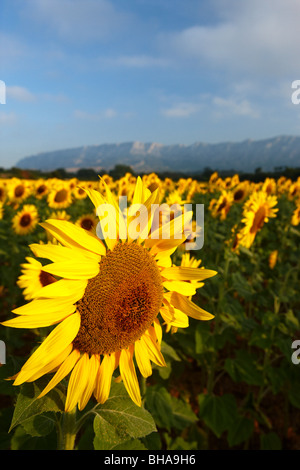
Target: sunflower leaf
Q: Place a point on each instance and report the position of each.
(119, 420)
(28, 405)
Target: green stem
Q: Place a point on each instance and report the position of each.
(68, 430)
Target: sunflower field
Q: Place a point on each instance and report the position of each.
(126, 344)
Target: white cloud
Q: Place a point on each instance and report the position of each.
(181, 110)
(253, 37)
(135, 61)
(108, 113)
(19, 93)
(232, 106)
(78, 20)
(7, 118)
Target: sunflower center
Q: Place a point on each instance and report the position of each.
(87, 224)
(238, 195)
(19, 190)
(61, 195)
(41, 189)
(25, 220)
(121, 302)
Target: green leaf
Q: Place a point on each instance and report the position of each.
(133, 444)
(39, 425)
(183, 414)
(270, 441)
(159, 403)
(218, 413)
(243, 368)
(28, 405)
(119, 419)
(240, 431)
(241, 285)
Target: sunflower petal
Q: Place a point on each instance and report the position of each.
(103, 381)
(62, 372)
(56, 342)
(62, 288)
(128, 373)
(71, 235)
(178, 273)
(41, 306)
(77, 383)
(39, 321)
(142, 358)
(187, 306)
(93, 366)
(73, 269)
(185, 288)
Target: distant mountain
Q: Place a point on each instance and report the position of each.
(243, 156)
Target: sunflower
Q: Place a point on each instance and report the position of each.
(18, 190)
(60, 196)
(106, 302)
(25, 220)
(240, 192)
(257, 211)
(296, 216)
(220, 207)
(88, 222)
(41, 188)
(33, 278)
(3, 192)
(79, 192)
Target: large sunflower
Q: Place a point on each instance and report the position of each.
(106, 302)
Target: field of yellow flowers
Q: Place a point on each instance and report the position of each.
(232, 382)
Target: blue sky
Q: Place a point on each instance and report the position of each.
(87, 72)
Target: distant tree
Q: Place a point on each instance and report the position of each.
(120, 170)
(87, 174)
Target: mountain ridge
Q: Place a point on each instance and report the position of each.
(246, 155)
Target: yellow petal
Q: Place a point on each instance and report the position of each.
(52, 365)
(142, 358)
(178, 273)
(62, 288)
(56, 342)
(187, 306)
(77, 383)
(158, 330)
(61, 253)
(127, 371)
(174, 317)
(73, 269)
(41, 306)
(93, 366)
(71, 235)
(153, 349)
(33, 374)
(103, 381)
(184, 288)
(39, 321)
(62, 372)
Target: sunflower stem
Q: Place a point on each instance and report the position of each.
(68, 430)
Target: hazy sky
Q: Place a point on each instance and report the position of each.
(85, 72)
